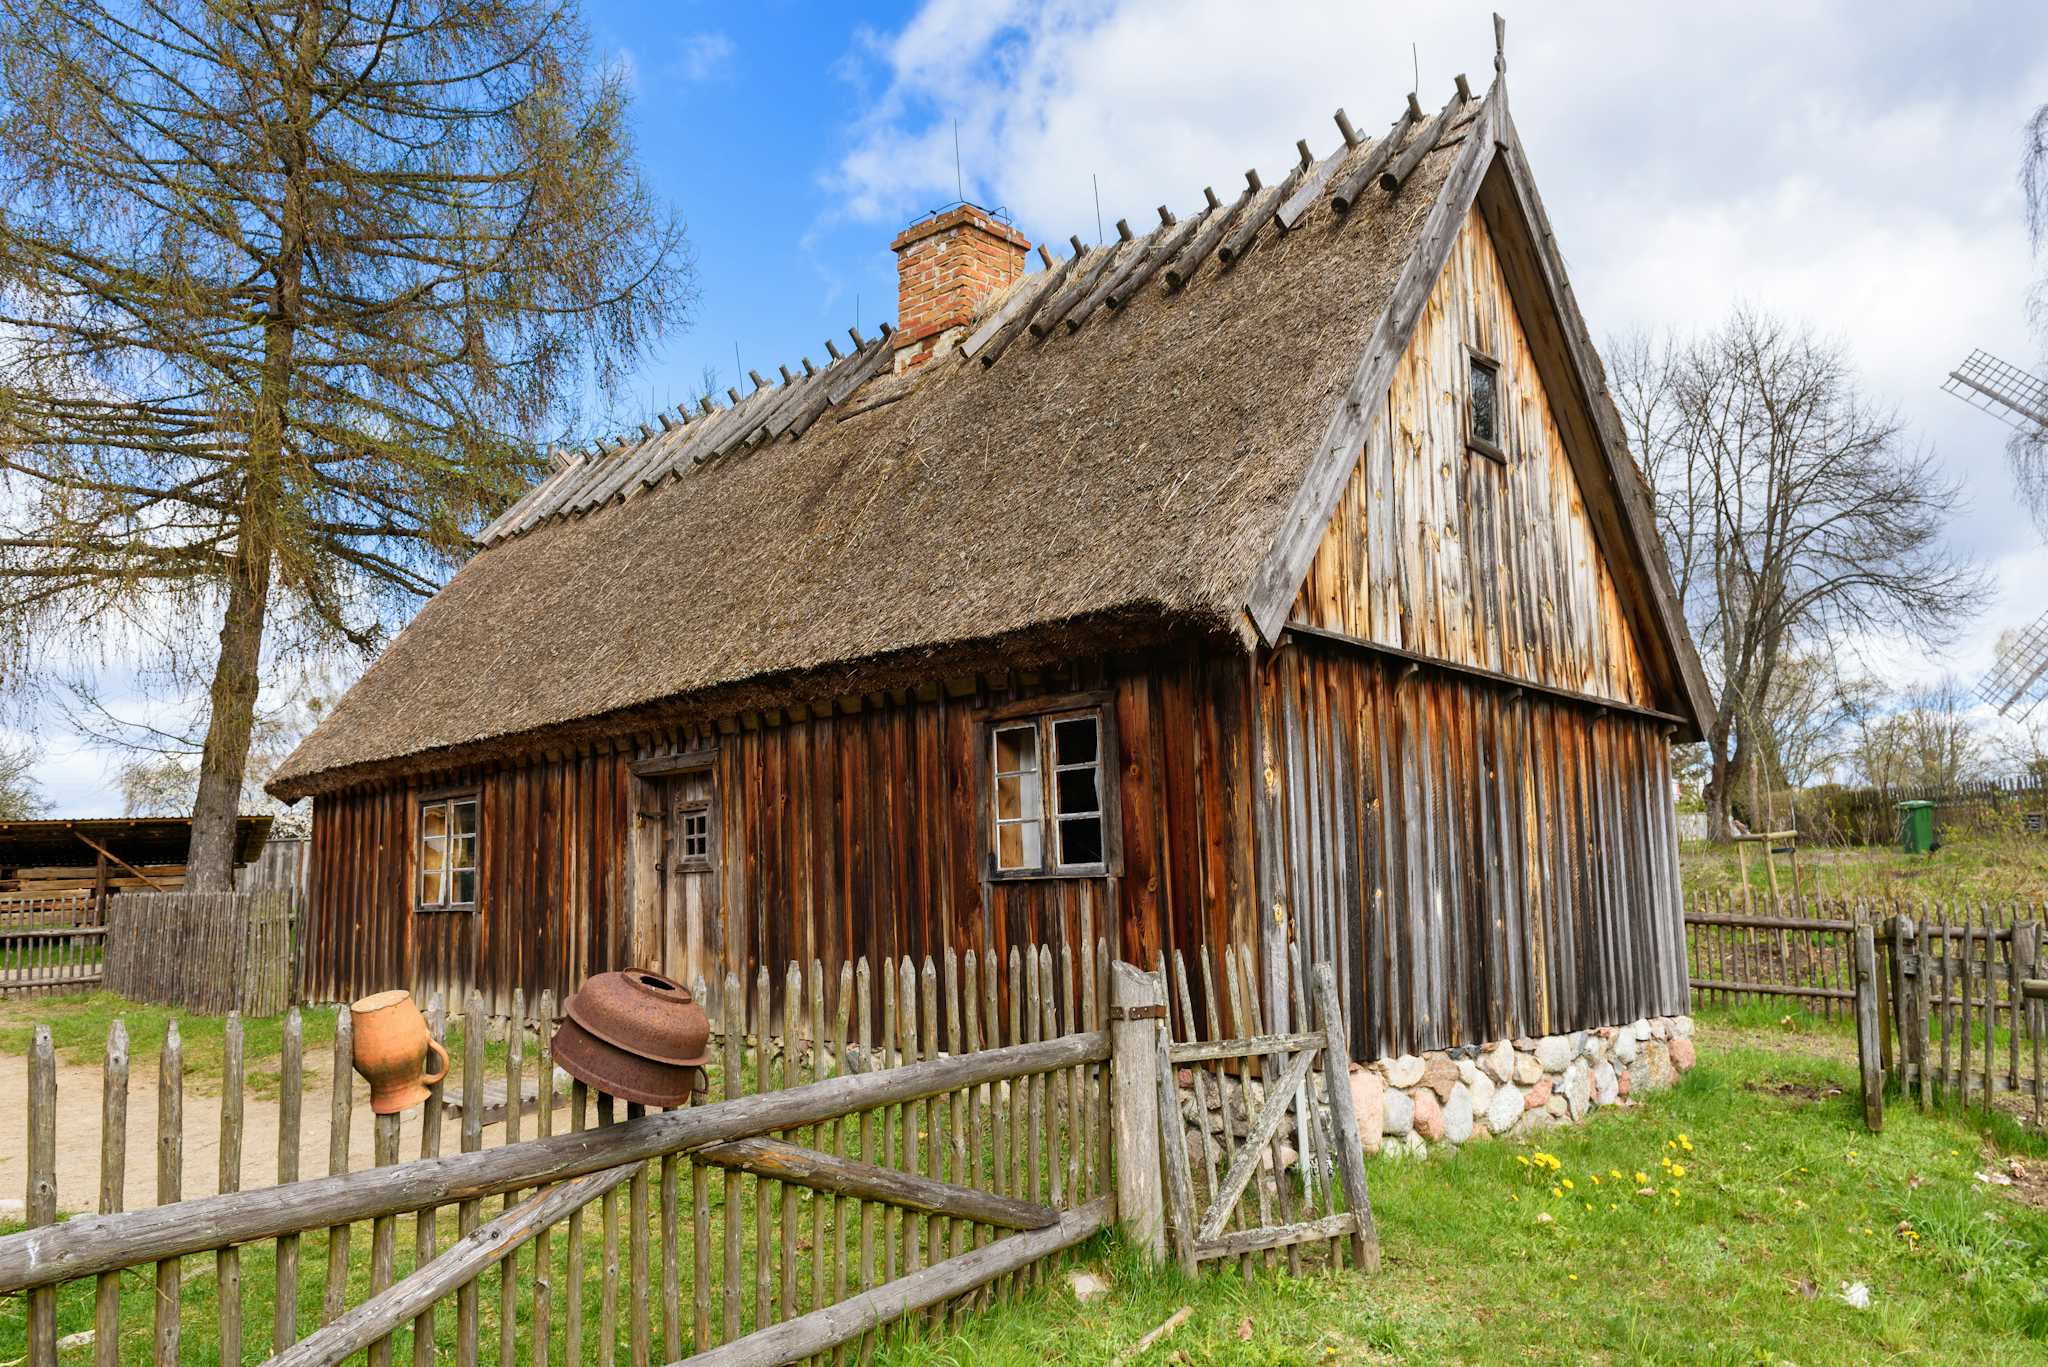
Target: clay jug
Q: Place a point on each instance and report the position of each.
(391, 1048)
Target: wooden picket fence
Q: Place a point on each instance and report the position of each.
(884, 1145)
(1952, 1008)
(1802, 950)
(209, 952)
(50, 943)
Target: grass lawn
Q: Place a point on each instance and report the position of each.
(1992, 868)
(1784, 1202)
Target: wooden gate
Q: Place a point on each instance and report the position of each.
(1234, 1183)
(52, 943)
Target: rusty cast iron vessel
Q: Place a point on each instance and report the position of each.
(636, 1034)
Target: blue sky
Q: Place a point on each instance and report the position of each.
(1848, 164)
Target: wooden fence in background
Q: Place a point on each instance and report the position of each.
(50, 943)
(213, 952)
(1801, 951)
(880, 1143)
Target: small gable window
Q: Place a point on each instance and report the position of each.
(696, 833)
(1049, 796)
(447, 852)
(1483, 407)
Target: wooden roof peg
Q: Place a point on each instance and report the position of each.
(646, 432)
(1464, 88)
(1123, 230)
(1414, 107)
(809, 369)
(1265, 201)
(858, 340)
(832, 347)
(787, 377)
(1252, 181)
(755, 376)
(1214, 226)
(1308, 158)
(668, 424)
(1352, 186)
(1044, 256)
(1420, 146)
(732, 394)
(1080, 247)
(708, 406)
(1351, 135)
(1166, 218)
(1209, 194)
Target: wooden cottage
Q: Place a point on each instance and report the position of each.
(1277, 574)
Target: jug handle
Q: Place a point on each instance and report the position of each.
(435, 1046)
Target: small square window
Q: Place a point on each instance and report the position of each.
(448, 853)
(696, 837)
(1483, 407)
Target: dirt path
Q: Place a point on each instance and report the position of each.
(78, 1136)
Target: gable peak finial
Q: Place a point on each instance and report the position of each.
(1500, 45)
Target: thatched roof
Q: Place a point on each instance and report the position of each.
(1125, 476)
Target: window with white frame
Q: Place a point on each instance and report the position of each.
(447, 852)
(1049, 796)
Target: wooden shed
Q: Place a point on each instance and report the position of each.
(64, 856)
(1277, 574)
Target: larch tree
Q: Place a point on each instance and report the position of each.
(285, 290)
(1797, 515)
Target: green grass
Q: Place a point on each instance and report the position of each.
(1972, 868)
(1784, 1200)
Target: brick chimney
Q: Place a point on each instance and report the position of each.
(946, 266)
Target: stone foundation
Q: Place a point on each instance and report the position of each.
(1513, 1087)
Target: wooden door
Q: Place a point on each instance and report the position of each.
(689, 877)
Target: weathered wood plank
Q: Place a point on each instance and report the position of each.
(819, 1171)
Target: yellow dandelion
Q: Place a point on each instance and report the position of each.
(1615, 1173)
(1555, 1192)
(1685, 1143)
(1612, 1206)
(1642, 1179)
(1678, 1169)
(1523, 1159)
(1567, 1184)
(1513, 1197)
(1596, 1178)
(1572, 1276)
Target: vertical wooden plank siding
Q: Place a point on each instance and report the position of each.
(1482, 899)
(1445, 553)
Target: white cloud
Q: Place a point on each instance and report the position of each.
(704, 57)
(1851, 165)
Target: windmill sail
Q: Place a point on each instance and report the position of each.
(2002, 390)
(2018, 679)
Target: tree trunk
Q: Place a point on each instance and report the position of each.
(237, 677)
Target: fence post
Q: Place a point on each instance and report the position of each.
(1137, 1014)
(1867, 1028)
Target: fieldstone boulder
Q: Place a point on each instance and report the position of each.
(1398, 1115)
(1553, 1052)
(1499, 1062)
(1458, 1115)
(1468, 1071)
(1660, 1028)
(1439, 1074)
(1482, 1088)
(1528, 1072)
(1622, 1084)
(1606, 1085)
(1625, 1047)
(1682, 1055)
(1505, 1109)
(1537, 1097)
(1595, 1047)
(1556, 1108)
(1416, 1148)
(1681, 1026)
(1641, 1029)
(1577, 1088)
(1429, 1114)
(1657, 1066)
(1368, 1098)
(1403, 1072)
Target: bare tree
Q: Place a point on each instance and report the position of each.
(2027, 449)
(21, 797)
(287, 284)
(1796, 514)
(1929, 741)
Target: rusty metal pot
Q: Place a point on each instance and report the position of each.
(644, 1013)
(635, 1034)
(609, 1068)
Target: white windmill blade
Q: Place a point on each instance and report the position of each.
(2001, 389)
(2018, 677)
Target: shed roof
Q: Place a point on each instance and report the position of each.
(67, 841)
(1141, 468)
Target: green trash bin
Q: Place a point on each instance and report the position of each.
(1916, 827)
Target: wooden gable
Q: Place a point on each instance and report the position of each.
(1438, 550)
